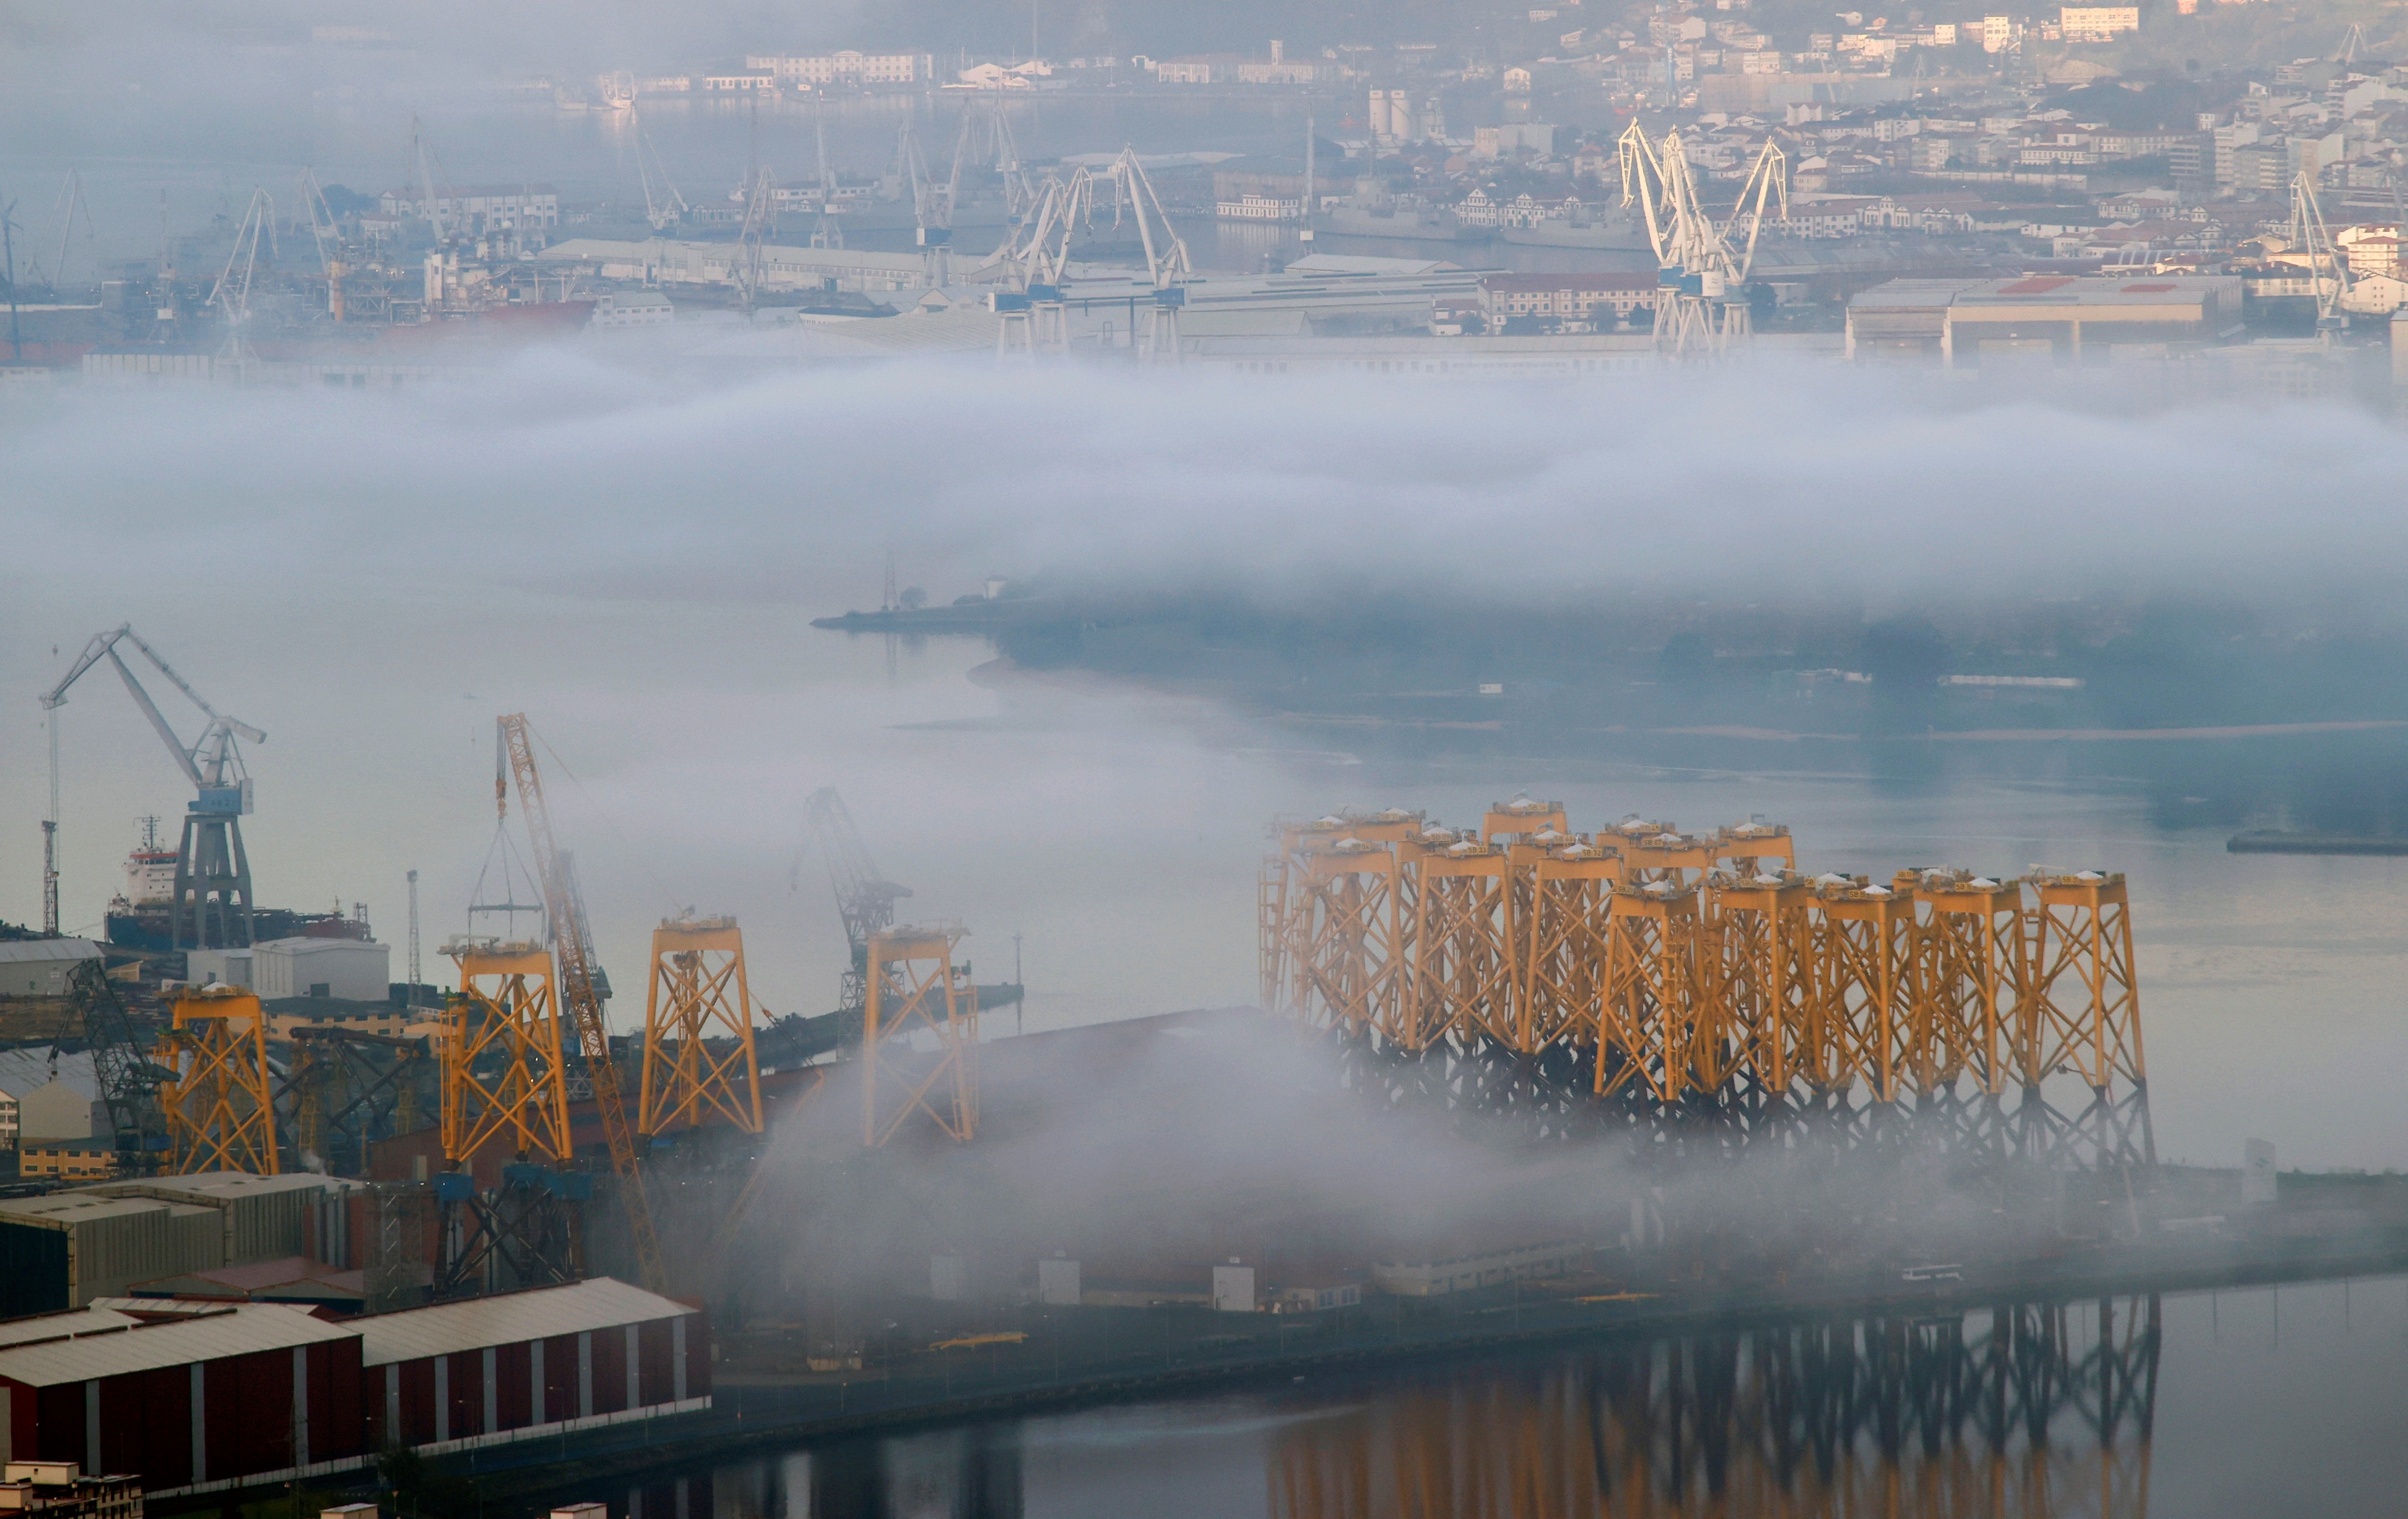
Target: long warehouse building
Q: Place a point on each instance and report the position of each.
(196, 1398)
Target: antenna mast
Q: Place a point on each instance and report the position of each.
(411, 997)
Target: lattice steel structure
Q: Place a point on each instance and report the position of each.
(698, 1056)
(919, 1035)
(1700, 978)
(220, 1107)
(2016, 1412)
(347, 1090)
(504, 1075)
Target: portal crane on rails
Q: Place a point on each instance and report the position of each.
(665, 205)
(579, 994)
(2327, 267)
(1701, 294)
(213, 899)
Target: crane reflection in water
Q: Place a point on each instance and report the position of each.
(2022, 1411)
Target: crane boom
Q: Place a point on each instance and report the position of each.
(577, 991)
(863, 899)
(158, 721)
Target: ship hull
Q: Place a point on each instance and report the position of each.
(1402, 228)
(1608, 239)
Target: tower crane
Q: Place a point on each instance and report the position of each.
(213, 899)
(515, 759)
(1701, 296)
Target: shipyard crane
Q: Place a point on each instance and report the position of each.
(578, 982)
(71, 200)
(323, 230)
(865, 899)
(2327, 270)
(1701, 299)
(231, 295)
(986, 130)
(422, 169)
(121, 1066)
(1166, 264)
(759, 197)
(213, 899)
(932, 211)
(664, 206)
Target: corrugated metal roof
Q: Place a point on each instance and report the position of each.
(242, 1332)
(62, 1209)
(75, 1321)
(49, 949)
(144, 1309)
(23, 1070)
(208, 1187)
(447, 1328)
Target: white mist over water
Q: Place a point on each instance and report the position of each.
(632, 557)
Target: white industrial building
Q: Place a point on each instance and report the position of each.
(40, 966)
(37, 1092)
(355, 970)
(672, 261)
(847, 68)
(483, 207)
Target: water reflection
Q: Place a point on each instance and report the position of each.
(2023, 1409)
(2020, 1411)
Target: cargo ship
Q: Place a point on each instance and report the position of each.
(141, 917)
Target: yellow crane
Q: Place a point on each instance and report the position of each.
(516, 759)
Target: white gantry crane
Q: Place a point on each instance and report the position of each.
(665, 207)
(1034, 259)
(231, 296)
(1167, 264)
(1701, 296)
(2328, 266)
(213, 904)
(932, 208)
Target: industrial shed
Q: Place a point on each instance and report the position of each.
(243, 1396)
(260, 1218)
(64, 1249)
(40, 966)
(523, 1364)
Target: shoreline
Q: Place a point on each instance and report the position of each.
(755, 1414)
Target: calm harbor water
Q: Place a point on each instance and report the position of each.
(2244, 1403)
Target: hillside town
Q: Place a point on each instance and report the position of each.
(1549, 190)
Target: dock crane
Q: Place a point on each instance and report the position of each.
(865, 899)
(231, 296)
(2328, 266)
(213, 898)
(1035, 257)
(1167, 264)
(664, 205)
(578, 993)
(1701, 296)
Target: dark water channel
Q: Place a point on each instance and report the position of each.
(2262, 1402)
